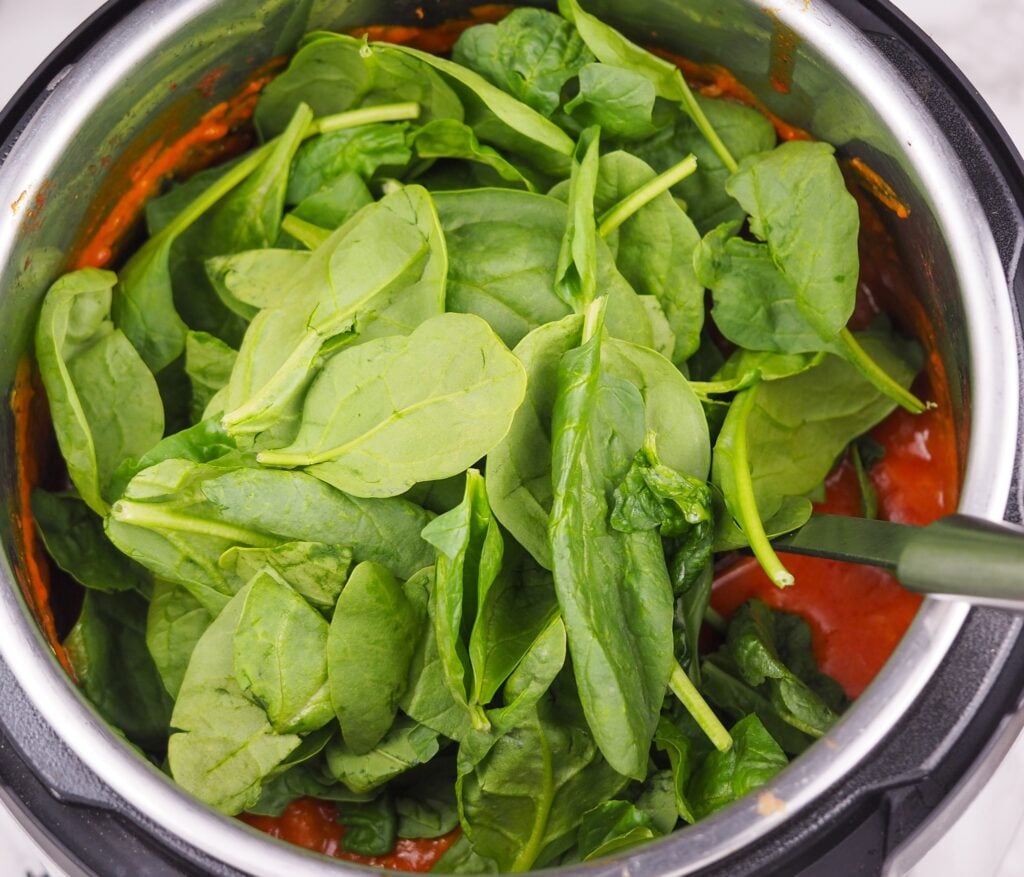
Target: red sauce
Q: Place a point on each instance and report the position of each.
(314, 825)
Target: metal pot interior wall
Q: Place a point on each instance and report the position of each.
(149, 78)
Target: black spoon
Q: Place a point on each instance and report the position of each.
(955, 558)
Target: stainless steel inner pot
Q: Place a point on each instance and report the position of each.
(844, 91)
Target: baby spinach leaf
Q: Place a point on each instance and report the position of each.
(249, 217)
(406, 745)
(364, 151)
(427, 698)
(469, 553)
(429, 809)
(724, 777)
(205, 442)
(280, 659)
(743, 130)
(530, 54)
(300, 781)
(166, 523)
(576, 271)
(519, 475)
(500, 119)
(519, 467)
(613, 587)
(800, 208)
(336, 202)
(523, 803)
(381, 273)
(380, 417)
(692, 576)
(145, 306)
(611, 47)
(253, 279)
(369, 650)
(723, 685)
(682, 757)
(657, 799)
(107, 647)
(535, 673)
(791, 431)
(503, 250)
(74, 539)
(755, 304)
(462, 858)
(751, 640)
(370, 826)
(618, 100)
(653, 496)
(314, 570)
(450, 138)
(438, 496)
(103, 400)
(503, 247)
(224, 748)
(299, 507)
(611, 827)
(654, 249)
(208, 363)
(334, 73)
(175, 622)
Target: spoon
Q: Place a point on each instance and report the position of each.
(956, 558)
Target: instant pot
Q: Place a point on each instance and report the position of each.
(902, 763)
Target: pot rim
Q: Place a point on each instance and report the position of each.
(995, 394)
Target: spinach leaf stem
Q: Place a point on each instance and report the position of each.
(859, 357)
(697, 707)
(750, 518)
(633, 202)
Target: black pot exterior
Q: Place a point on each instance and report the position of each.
(857, 825)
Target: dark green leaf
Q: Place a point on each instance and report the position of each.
(370, 827)
(611, 827)
(407, 744)
(531, 54)
(74, 538)
(175, 622)
(107, 647)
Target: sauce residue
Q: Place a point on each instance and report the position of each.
(32, 419)
(876, 185)
(437, 40)
(314, 825)
(783, 48)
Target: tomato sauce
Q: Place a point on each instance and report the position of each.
(314, 825)
(857, 614)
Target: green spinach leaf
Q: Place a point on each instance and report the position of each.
(74, 538)
(107, 647)
(280, 656)
(174, 623)
(531, 54)
(103, 400)
(613, 587)
(611, 827)
(314, 570)
(369, 650)
(380, 417)
(224, 747)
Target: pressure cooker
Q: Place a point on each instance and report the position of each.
(929, 731)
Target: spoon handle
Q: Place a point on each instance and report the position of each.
(956, 558)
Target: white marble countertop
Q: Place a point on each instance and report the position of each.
(985, 38)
